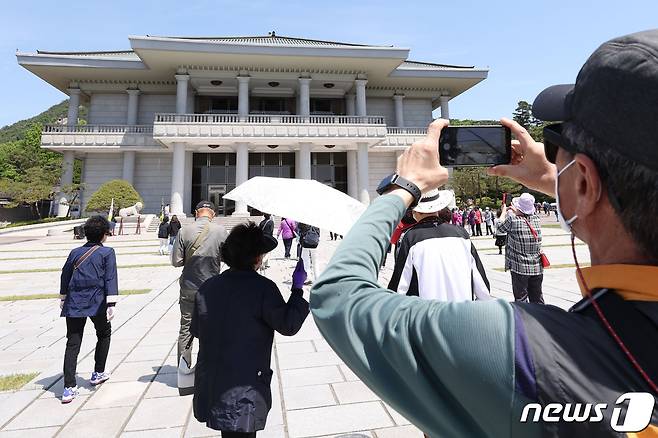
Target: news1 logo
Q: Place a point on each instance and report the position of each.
(637, 418)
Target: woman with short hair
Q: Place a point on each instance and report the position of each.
(88, 289)
(235, 316)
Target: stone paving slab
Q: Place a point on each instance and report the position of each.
(338, 419)
(154, 413)
(45, 412)
(97, 423)
(313, 396)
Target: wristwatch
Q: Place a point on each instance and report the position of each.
(395, 180)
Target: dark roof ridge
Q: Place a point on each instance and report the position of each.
(439, 65)
(268, 36)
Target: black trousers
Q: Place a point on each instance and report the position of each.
(489, 229)
(478, 229)
(226, 434)
(74, 329)
(472, 229)
(527, 287)
(287, 244)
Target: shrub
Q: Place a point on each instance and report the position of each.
(123, 193)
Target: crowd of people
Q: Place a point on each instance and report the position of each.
(452, 360)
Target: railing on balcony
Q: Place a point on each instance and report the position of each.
(268, 118)
(100, 129)
(397, 130)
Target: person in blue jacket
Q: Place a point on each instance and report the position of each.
(88, 289)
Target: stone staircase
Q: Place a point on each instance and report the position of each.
(227, 222)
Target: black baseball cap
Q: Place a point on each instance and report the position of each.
(205, 204)
(614, 100)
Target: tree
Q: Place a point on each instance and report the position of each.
(123, 193)
(35, 186)
(523, 116)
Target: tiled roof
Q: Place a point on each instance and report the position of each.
(417, 65)
(272, 40)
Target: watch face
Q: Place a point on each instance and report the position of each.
(386, 182)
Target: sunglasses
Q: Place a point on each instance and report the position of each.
(554, 140)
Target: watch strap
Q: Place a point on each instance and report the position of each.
(403, 183)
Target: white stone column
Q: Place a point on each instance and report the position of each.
(133, 102)
(74, 104)
(445, 111)
(128, 173)
(350, 108)
(304, 161)
(362, 172)
(182, 82)
(360, 85)
(66, 180)
(398, 101)
(187, 190)
(241, 174)
(304, 96)
(352, 184)
(243, 95)
(177, 180)
(178, 160)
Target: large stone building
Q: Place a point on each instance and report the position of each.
(189, 118)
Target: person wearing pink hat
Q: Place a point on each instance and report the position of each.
(523, 249)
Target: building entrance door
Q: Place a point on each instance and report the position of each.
(216, 194)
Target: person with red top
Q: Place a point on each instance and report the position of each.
(478, 221)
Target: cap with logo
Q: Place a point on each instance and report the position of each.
(205, 204)
(613, 100)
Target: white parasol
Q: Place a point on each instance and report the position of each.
(302, 200)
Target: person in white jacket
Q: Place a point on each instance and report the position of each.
(437, 260)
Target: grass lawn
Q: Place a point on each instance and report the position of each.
(15, 381)
(51, 296)
(38, 221)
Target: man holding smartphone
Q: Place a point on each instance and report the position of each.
(471, 369)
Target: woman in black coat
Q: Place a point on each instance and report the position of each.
(235, 316)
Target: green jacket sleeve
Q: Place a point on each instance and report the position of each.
(447, 367)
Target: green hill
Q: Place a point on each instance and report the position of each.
(16, 131)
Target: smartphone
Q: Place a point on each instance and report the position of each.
(507, 199)
(461, 146)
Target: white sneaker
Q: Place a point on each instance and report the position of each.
(69, 394)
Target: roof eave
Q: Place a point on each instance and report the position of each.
(447, 73)
(51, 60)
(171, 44)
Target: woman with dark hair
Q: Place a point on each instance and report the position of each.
(88, 289)
(174, 228)
(235, 316)
(163, 236)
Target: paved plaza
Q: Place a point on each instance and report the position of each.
(314, 393)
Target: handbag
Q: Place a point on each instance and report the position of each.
(544, 259)
(185, 374)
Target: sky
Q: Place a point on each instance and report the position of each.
(527, 45)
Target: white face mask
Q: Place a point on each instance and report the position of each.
(564, 224)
